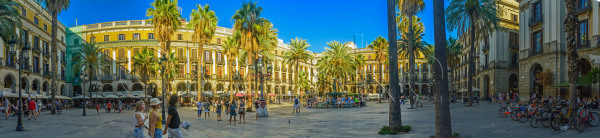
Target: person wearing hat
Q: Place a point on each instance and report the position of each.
(155, 119)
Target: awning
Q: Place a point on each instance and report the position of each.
(582, 81)
(78, 97)
(8, 94)
(128, 96)
(111, 97)
(465, 90)
(141, 96)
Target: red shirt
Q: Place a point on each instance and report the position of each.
(108, 105)
(31, 105)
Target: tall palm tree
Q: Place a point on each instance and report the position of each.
(336, 62)
(453, 54)
(573, 58)
(473, 20)
(359, 61)
(380, 45)
(257, 33)
(395, 114)
(172, 69)
(90, 60)
(303, 82)
(443, 127)
(204, 23)
(144, 64)
(231, 51)
(10, 19)
(165, 21)
(297, 53)
(411, 30)
(55, 7)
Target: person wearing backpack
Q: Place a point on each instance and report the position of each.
(296, 108)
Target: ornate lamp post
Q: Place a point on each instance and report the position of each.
(21, 61)
(163, 63)
(262, 111)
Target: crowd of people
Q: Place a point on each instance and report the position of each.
(32, 107)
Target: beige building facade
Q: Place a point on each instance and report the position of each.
(543, 46)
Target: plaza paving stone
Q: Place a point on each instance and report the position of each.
(477, 121)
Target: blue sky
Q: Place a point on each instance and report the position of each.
(318, 21)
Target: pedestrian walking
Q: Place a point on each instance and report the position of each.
(173, 120)
(207, 109)
(296, 108)
(226, 107)
(218, 110)
(120, 106)
(6, 107)
(139, 119)
(108, 106)
(155, 124)
(31, 106)
(199, 105)
(232, 113)
(38, 108)
(256, 106)
(98, 109)
(242, 111)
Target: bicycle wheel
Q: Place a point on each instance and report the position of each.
(524, 116)
(555, 121)
(594, 119)
(503, 112)
(580, 123)
(535, 120)
(545, 116)
(514, 115)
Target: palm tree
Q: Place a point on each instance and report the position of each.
(257, 34)
(573, 58)
(143, 65)
(380, 45)
(411, 29)
(91, 60)
(55, 7)
(453, 54)
(336, 61)
(303, 82)
(172, 68)
(359, 61)
(443, 127)
(297, 53)
(467, 16)
(165, 21)
(395, 114)
(10, 19)
(204, 23)
(231, 51)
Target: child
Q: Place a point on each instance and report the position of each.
(98, 109)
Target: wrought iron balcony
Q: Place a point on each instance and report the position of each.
(221, 62)
(582, 6)
(513, 45)
(208, 61)
(536, 19)
(46, 73)
(120, 60)
(36, 49)
(586, 44)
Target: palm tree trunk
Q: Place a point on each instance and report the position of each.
(380, 82)
(573, 56)
(471, 62)
(395, 117)
(54, 61)
(411, 62)
(201, 70)
(443, 127)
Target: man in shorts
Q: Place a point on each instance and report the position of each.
(31, 106)
(199, 105)
(296, 107)
(6, 107)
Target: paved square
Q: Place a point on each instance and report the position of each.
(477, 121)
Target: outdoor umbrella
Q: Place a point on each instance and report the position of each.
(78, 97)
(8, 94)
(240, 95)
(111, 97)
(141, 96)
(127, 96)
(270, 94)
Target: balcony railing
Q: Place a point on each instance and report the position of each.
(122, 60)
(37, 49)
(36, 70)
(533, 53)
(582, 6)
(106, 77)
(586, 44)
(222, 62)
(536, 19)
(208, 61)
(514, 45)
(47, 73)
(514, 65)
